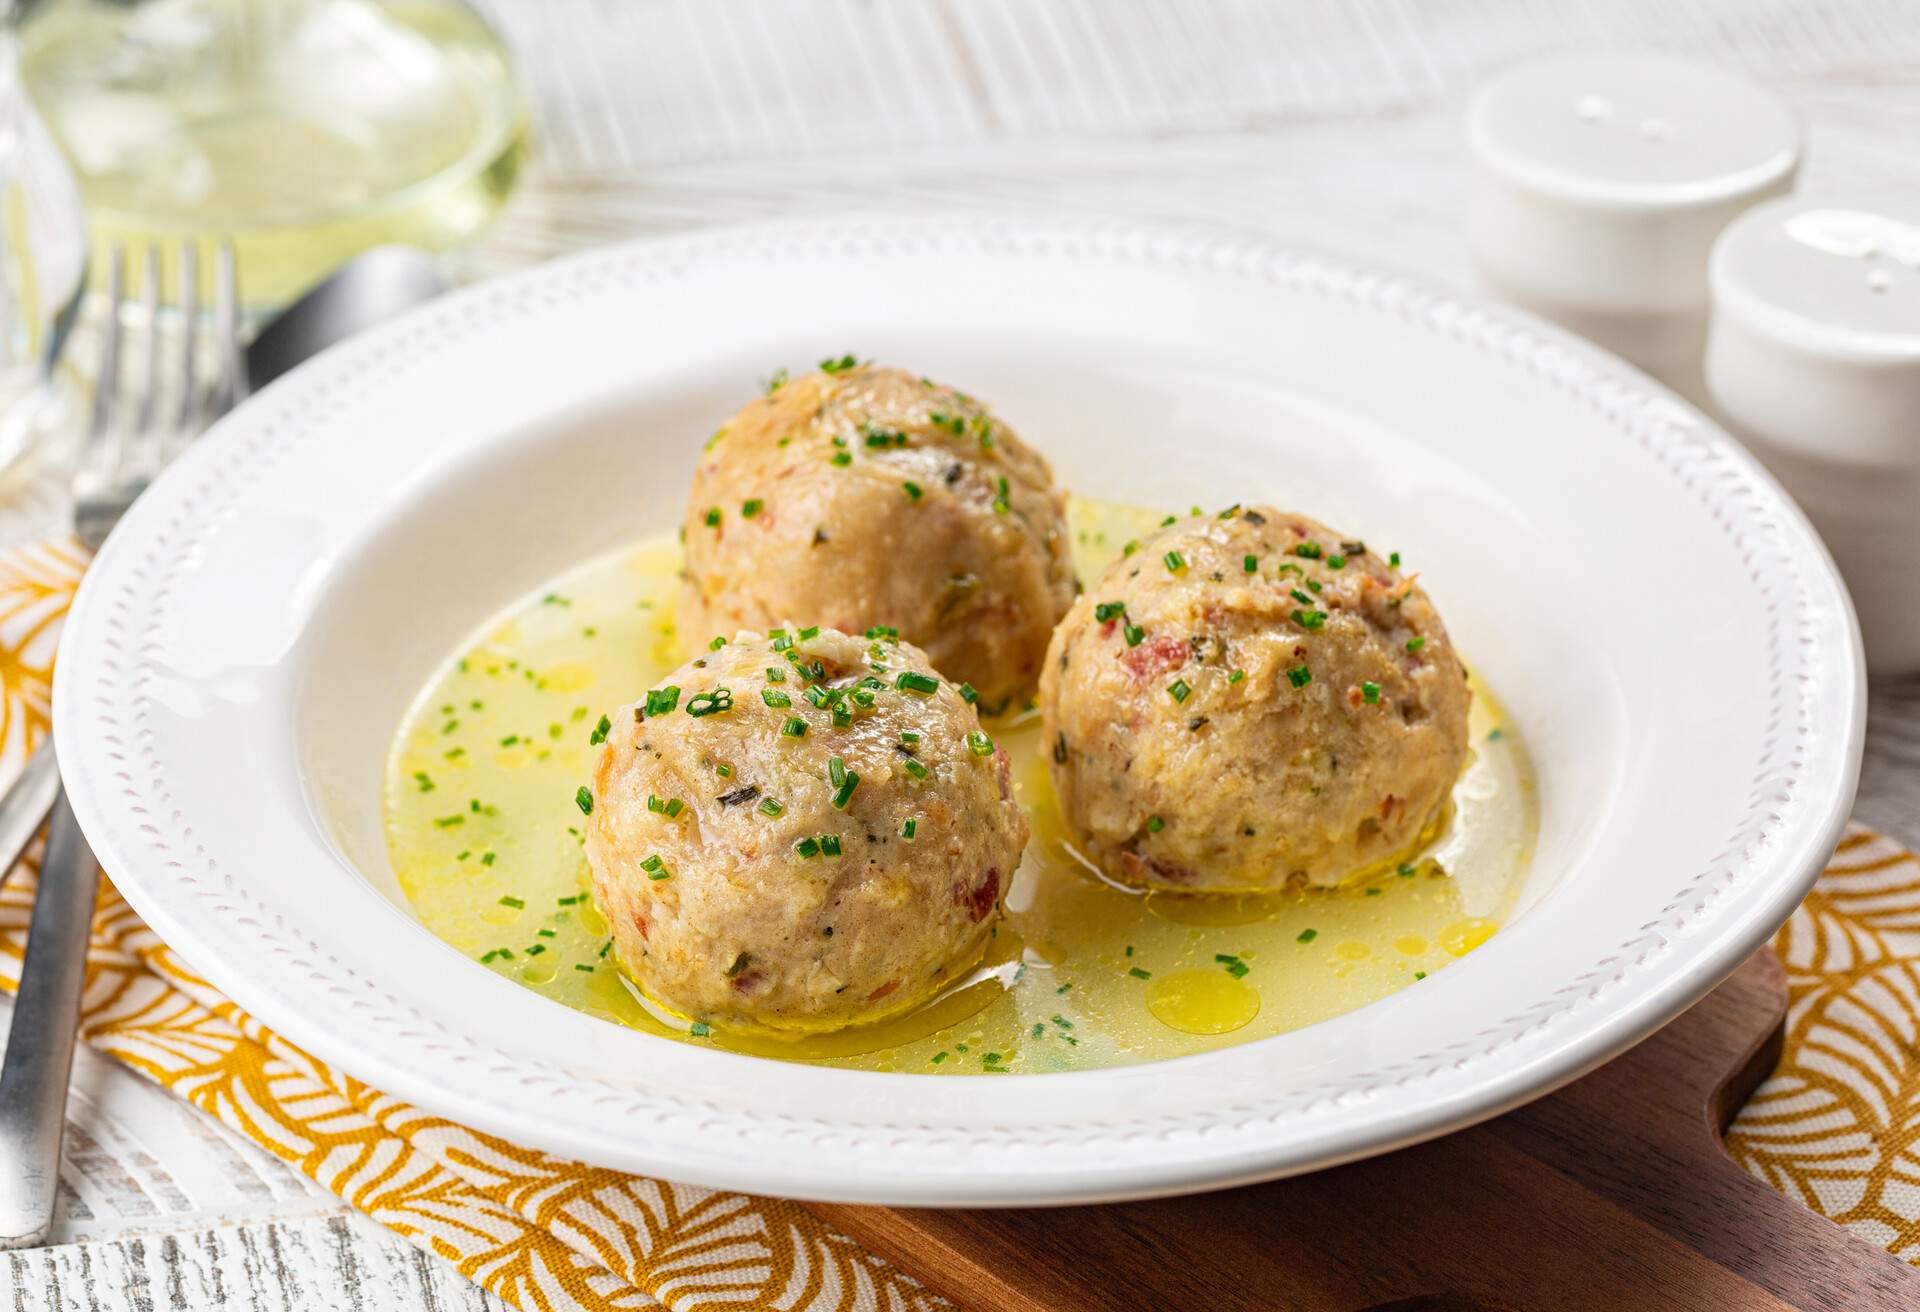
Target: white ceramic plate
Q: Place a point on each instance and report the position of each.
(1664, 627)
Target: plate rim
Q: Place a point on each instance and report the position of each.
(1621, 396)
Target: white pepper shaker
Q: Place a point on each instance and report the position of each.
(1813, 360)
(1599, 184)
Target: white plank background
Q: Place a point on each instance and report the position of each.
(1334, 120)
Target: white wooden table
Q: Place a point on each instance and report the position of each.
(1336, 121)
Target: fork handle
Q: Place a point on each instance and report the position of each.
(24, 807)
(46, 1016)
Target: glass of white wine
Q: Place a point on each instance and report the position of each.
(305, 131)
(43, 265)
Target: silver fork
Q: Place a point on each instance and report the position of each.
(121, 455)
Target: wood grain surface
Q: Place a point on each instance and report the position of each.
(1614, 1192)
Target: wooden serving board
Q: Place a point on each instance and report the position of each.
(1614, 1193)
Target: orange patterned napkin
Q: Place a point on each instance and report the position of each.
(1834, 1127)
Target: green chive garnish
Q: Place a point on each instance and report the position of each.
(770, 808)
(979, 744)
(1174, 561)
(909, 681)
(795, 727)
(1370, 693)
(1299, 676)
(1415, 644)
(584, 800)
(600, 731)
(1178, 690)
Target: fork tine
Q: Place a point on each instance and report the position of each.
(107, 386)
(187, 411)
(142, 441)
(226, 309)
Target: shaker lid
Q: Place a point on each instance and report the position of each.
(1835, 277)
(1635, 130)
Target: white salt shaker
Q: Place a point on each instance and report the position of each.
(1599, 184)
(1813, 360)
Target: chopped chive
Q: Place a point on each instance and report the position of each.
(1370, 692)
(717, 643)
(584, 800)
(662, 700)
(968, 694)
(709, 703)
(908, 827)
(913, 490)
(1138, 973)
(914, 768)
(1174, 561)
(487, 858)
(1310, 620)
(1250, 563)
(795, 727)
(722, 769)
(583, 966)
(1415, 644)
(979, 744)
(511, 901)
(750, 508)
(807, 848)
(699, 1029)
(1336, 561)
(775, 674)
(1109, 610)
(1178, 690)
(1308, 550)
(840, 365)
(829, 845)
(1304, 598)
(842, 458)
(809, 633)
(910, 681)
(510, 740)
(836, 771)
(774, 697)
(713, 517)
(1394, 560)
(1133, 634)
(1306, 936)
(770, 808)
(1236, 676)
(449, 821)
(1155, 824)
(1299, 676)
(843, 791)
(1419, 974)
(600, 731)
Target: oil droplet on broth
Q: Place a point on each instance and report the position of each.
(1463, 936)
(1202, 1001)
(1070, 1001)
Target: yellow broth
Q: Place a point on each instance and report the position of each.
(484, 835)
